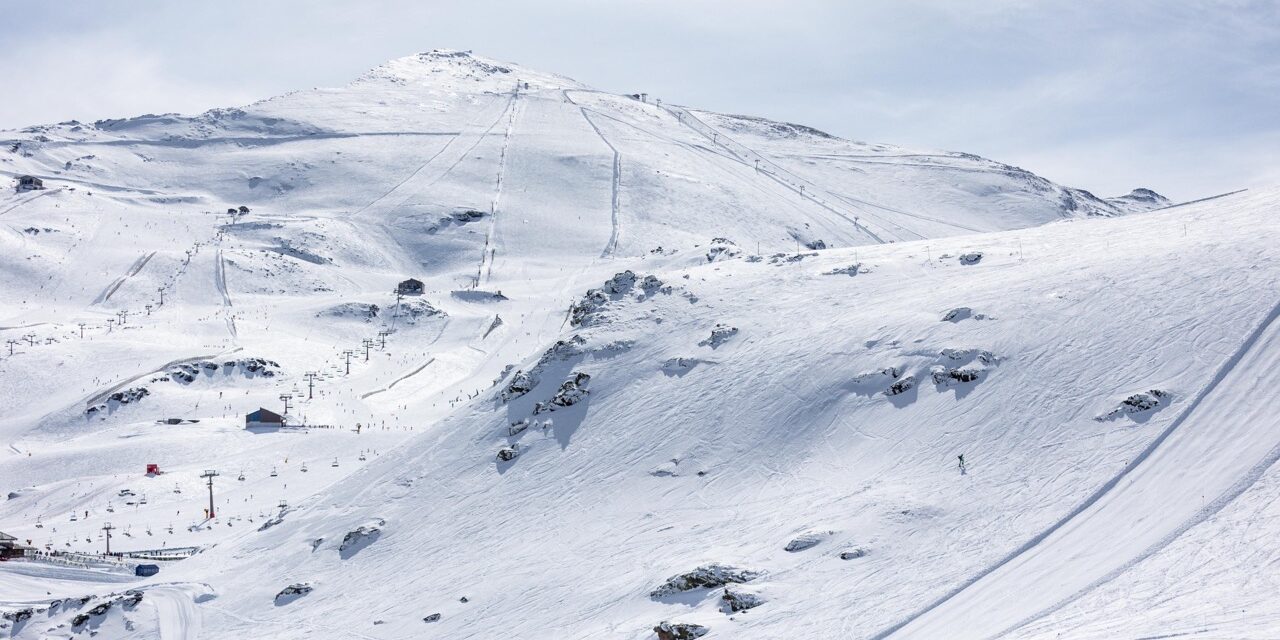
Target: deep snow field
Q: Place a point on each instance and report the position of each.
(652, 339)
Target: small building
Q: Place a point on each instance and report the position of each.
(10, 548)
(29, 183)
(263, 418)
(410, 287)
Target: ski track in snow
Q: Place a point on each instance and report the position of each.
(28, 200)
(617, 177)
(220, 278)
(1171, 456)
(489, 252)
(115, 284)
(179, 618)
(687, 118)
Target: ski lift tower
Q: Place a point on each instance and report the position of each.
(210, 474)
(106, 526)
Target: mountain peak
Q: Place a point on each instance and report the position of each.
(461, 69)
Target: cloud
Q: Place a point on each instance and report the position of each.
(95, 76)
(1105, 95)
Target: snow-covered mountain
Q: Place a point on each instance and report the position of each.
(671, 372)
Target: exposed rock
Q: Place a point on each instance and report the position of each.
(807, 540)
(973, 257)
(1137, 403)
(18, 615)
(722, 249)
(507, 454)
(985, 357)
(720, 334)
(620, 283)
(962, 313)
(523, 382)
(784, 258)
(887, 373)
(943, 376)
(416, 310)
(98, 610)
(435, 617)
(851, 270)
(293, 592)
(735, 600)
(679, 630)
(362, 311)
(901, 386)
(853, 554)
(816, 245)
(708, 576)
(360, 537)
(679, 366)
(571, 392)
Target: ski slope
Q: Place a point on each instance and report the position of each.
(830, 324)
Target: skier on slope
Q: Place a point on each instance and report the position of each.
(963, 468)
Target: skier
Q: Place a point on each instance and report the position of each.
(963, 468)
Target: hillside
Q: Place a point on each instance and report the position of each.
(651, 338)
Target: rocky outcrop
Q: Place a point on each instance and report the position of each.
(571, 392)
(360, 537)
(735, 600)
(523, 382)
(708, 576)
(901, 386)
(1137, 403)
(722, 249)
(720, 334)
(292, 592)
(679, 630)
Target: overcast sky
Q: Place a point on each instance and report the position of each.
(1182, 96)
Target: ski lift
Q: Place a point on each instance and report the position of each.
(304, 467)
(273, 472)
(39, 525)
(73, 516)
(362, 458)
(110, 509)
(335, 462)
(241, 478)
(143, 500)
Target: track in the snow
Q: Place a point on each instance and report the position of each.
(115, 284)
(1166, 462)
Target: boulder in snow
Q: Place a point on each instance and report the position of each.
(734, 600)
(807, 540)
(853, 554)
(292, 592)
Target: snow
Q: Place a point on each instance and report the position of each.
(719, 396)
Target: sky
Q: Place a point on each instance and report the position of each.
(1182, 96)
